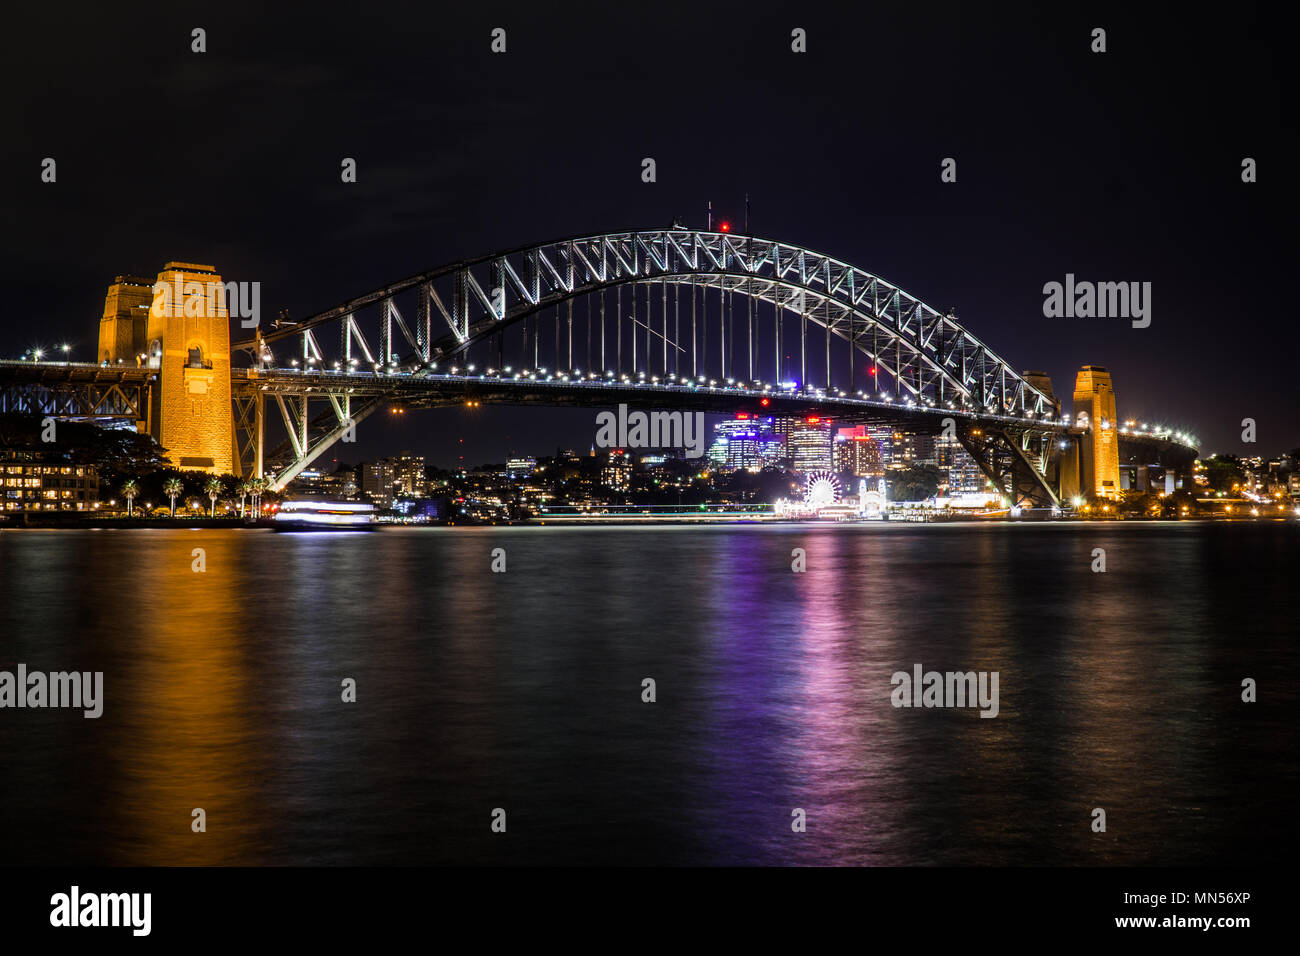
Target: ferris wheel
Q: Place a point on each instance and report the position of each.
(821, 488)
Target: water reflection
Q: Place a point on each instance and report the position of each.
(523, 691)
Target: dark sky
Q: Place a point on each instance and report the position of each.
(1115, 166)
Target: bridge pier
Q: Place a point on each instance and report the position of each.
(1069, 468)
(1016, 461)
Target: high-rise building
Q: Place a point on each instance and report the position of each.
(914, 449)
(807, 442)
(946, 450)
(408, 474)
(377, 479)
(857, 451)
(883, 436)
(746, 441)
(617, 473)
(964, 475)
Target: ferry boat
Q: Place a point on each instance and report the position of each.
(316, 515)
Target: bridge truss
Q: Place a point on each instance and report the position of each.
(75, 391)
(670, 309)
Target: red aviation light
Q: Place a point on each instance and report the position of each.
(724, 226)
(765, 402)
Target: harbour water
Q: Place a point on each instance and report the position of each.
(523, 690)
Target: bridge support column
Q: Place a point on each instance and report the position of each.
(259, 435)
(1007, 458)
(1069, 468)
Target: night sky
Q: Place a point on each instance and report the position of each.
(1117, 166)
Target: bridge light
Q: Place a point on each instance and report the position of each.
(724, 226)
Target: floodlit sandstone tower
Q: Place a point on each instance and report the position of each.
(125, 322)
(1043, 382)
(1099, 458)
(188, 341)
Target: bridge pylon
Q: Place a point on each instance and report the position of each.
(189, 344)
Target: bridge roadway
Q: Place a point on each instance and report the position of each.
(1014, 450)
(1021, 453)
(433, 390)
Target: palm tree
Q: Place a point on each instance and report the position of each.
(213, 490)
(173, 489)
(243, 489)
(130, 488)
(258, 486)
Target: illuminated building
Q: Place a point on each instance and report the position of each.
(857, 451)
(883, 436)
(964, 475)
(617, 473)
(30, 481)
(746, 442)
(961, 473)
(377, 479)
(912, 449)
(807, 442)
(340, 485)
(408, 474)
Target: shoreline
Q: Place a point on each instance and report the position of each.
(56, 523)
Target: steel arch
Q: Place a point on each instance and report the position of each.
(927, 354)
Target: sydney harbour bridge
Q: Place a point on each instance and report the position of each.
(671, 319)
